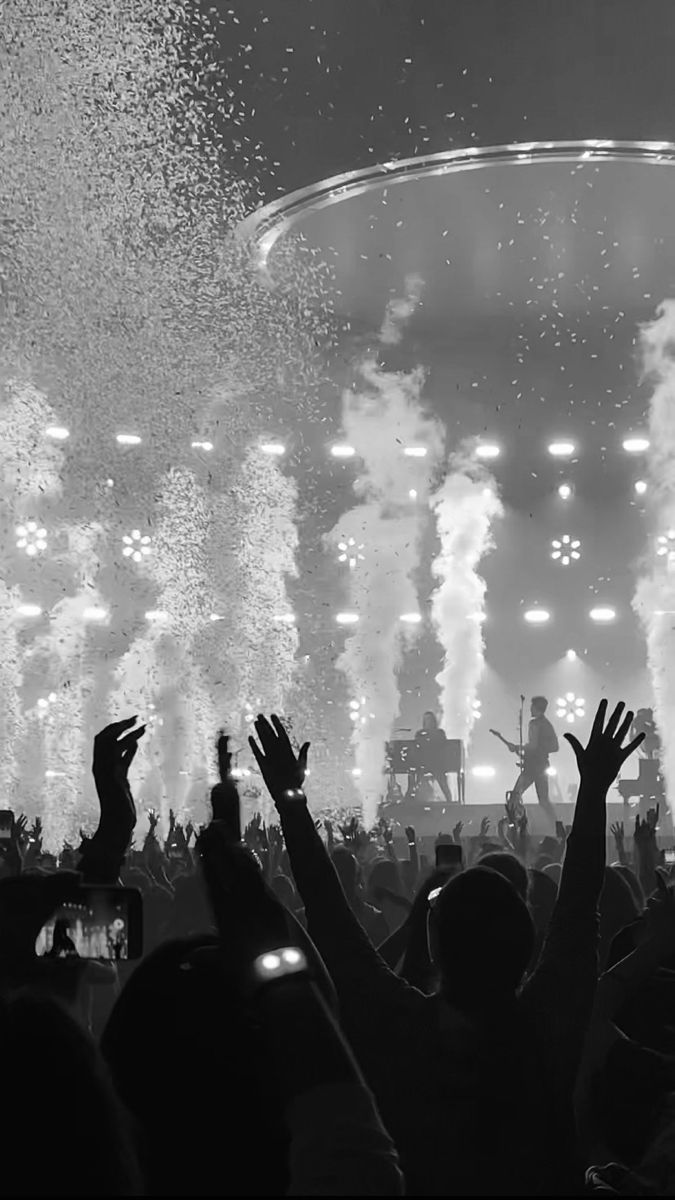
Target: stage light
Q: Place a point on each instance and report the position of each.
(215, 617)
(346, 618)
(477, 709)
(537, 616)
(483, 772)
(571, 655)
(566, 549)
(128, 439)
(351, 552)
(551, 771)
(136, 545)
(640, 487)
(58, 433)
(28, 610)
(202, 445)
(31, 538)
(357, 711)
(665, 545)
(356, 772)
(565, 491)
(415, 451)
(157, 615)
(273, 448)
(342, 451)
(636, 445)
(562, 449)
(602, 615)
(412, 618)
(412, 494)
(94, 613)
(570, 708)
(285, 618)
(487, 450)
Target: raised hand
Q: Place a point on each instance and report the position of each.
(601, 760)
(225, 795)
(617, 831)
(485, 827)
(153, 822)
(653, 818)
(172, 821)
(457, 833)
(189, 830)
(282, 769)
(645, 832)
(411, 836)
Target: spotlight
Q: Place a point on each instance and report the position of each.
(202, 445)
(351, 552)
(95, 613)
(28, 610)
(565, 491)
(487, 450)
(562, 449)
(412, 494)
(636, 445)
(356, 772)
(285, 618)
(571, 655)
(136, 545)
(357, 712)
(602, 615)
(215, 617)
(566, 549)
(483, 772)
(570, 708)
(415, 451)
(157, 615)
(640, 487)
(346, 618)
(128, 439)
(342, 451)
(552, 771)
(537, 616)
(57, 433)
(275, 449)
(411, 618)
(477, 709)
(31, 538)
(665, 545)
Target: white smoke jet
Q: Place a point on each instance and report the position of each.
(465, 506)
(654, 599)
(380, 422)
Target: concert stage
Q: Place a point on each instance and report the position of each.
(429, 820)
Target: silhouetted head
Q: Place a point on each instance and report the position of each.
(347, 868)
(510, 867)
(178, 1035)
(481, 937)
(429, 721)
(538, 706)
(66, 1132)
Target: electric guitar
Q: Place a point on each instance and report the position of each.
(510, 746)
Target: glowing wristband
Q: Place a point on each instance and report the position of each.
(276, 965)
(294, 794)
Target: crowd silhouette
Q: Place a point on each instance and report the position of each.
(322, 1009)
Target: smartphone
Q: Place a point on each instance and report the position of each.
(6, 824)
(448, 855)
(102, 923)
(669, 857)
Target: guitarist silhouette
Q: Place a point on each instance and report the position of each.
(541, 742)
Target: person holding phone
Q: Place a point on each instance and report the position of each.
(431, 746)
